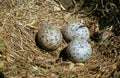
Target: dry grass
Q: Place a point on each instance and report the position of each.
(21, 58)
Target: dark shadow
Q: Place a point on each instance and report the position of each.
(106, 14)
(63, 55)
(1, 75)
(96, 37)
(36, 41)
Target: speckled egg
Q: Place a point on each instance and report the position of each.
(49, 37)
(79, 50)
(75, 30)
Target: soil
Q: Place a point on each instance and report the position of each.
(21, 57)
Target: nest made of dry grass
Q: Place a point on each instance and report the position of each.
(20, 57)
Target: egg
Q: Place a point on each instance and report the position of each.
(75, 30)
(79, 50)
(49, 37)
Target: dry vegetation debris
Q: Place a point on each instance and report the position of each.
(21, 58)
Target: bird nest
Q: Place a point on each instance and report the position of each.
(20, 57)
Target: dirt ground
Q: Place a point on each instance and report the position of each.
(20, 57)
